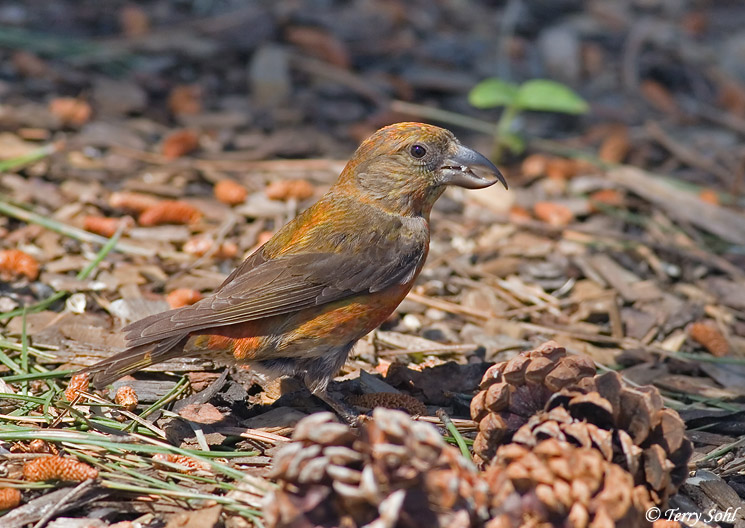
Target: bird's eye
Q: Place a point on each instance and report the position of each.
(418, 151)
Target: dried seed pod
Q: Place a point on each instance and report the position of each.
(363, 477)
(9, 498)
(389, 400)
(126, 397)
(290, 189)
(78, 383)
(555, 483)
(169, 212)
(105, 226)
(183, 297)
(708, 335)
(58, 468)
(230, 192)
(132, 201)
(190, 464)
(15, 263)
(513, 391)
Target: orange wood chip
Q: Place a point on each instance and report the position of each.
(708, 335)
(169, 212)
(609, 197)
(552, 213)
(230, 192)
(709, 196)
(616, 145)
(58, 468)
(132, 201)
(179, 143)
(103, 225)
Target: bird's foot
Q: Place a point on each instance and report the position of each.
(344, 411)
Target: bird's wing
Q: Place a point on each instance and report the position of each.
(287, 284)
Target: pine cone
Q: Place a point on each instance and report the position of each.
(628, 426)
(513, 391)
(555, 483)
(395, 469)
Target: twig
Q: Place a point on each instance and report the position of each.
(74, 493)
(448, 423)
(685, 153)
(68, 230)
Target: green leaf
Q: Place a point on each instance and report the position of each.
(492, 92)
(513, 142)
(549, 96)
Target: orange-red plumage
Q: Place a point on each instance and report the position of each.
(298, 304)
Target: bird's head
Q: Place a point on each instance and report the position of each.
(405, 167)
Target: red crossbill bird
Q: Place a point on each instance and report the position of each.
(297, 305)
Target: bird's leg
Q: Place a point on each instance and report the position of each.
(344, 411)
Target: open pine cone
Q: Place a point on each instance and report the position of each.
(397, 471)
(628, 426)
(513, 391)
(555, 483)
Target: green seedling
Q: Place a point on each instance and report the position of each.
(540, 95)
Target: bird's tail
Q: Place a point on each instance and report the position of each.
(134, 359)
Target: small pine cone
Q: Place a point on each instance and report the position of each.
(555, 483)
(628, 425)
(78, 383)
(330, 473)
(188, 464)
(126, 397)
(513, 391)
(58, 468)
(9, 498)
